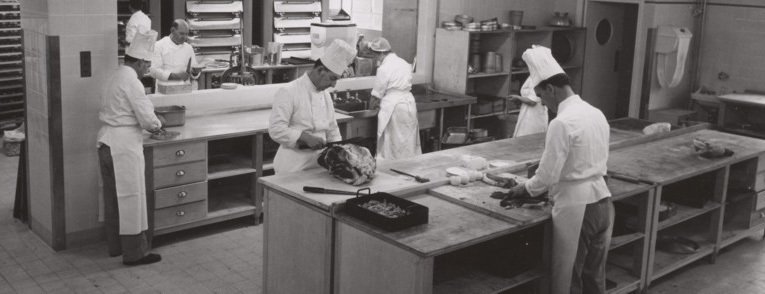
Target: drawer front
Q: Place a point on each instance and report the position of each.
(760, 204)
(181, 214)
(759, 181)
(292, 38)
(180, 174)
(295, 22)
(179, 195)
(295, 6)
(179, 153)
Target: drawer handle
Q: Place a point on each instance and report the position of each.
(180, 153)
(182, 194)
(180, 213)
(180, 173)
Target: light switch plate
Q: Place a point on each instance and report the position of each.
(85, 65)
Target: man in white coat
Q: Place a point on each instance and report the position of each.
(303, 116)
(139, 22)
(397, 126)
(174, 58)
(125, 112)
(572, 168)
(532, 118)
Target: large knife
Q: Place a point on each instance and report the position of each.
(355, 140)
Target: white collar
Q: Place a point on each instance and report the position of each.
(569, 101)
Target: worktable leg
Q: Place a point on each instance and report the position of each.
(440, 128)
(716, 225)
(269, 77)
(256, 187)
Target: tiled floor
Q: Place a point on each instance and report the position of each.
(228, 259)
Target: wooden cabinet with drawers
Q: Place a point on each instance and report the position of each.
(195, 183)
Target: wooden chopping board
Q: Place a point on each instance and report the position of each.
(476, 195)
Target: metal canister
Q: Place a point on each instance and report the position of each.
(476, 62)
(489, 62)
(498, 62)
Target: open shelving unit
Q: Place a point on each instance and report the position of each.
(12, 82)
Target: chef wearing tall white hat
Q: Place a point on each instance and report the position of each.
(125, 112)
(303, 116)
(571, 170)
(532, 118)
(397, 126)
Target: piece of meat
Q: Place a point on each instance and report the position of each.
(350, 163)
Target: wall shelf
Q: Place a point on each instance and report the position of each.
(685, 213)
(486, 75)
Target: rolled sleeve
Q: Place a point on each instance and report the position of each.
(333, 134)
(279, 123)
(142, 106)
(553, 159)
(380, 84)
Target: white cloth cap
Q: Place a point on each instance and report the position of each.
(379, 44)
(541, 64)
(337, 56)
(142, 46)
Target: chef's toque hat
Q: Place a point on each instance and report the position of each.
(142, 46)
(379, 44)
(337, 56)
(541, 64)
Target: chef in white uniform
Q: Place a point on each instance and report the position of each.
(139, 22)
(571, 169)
(532, 118)
(125, 112)
(174, 58)
(303, 116)
(397, 127)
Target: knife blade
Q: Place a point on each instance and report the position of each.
(416, 178)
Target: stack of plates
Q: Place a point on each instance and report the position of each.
(472, 27)
(450, 25)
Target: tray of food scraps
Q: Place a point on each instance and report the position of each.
(386, 211)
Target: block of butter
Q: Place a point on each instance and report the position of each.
(173, 87)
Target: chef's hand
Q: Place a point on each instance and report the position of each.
(374, 103)
(179, 76)
(518, 191)
(311, 141)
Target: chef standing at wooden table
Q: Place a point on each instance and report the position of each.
(303, 116)
(397, 126)
(572, 168)
(126, 111)
(174, 58)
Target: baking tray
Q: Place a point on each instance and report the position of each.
(416, 214)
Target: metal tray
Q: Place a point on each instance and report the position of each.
(416, 214)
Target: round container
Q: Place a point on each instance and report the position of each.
(455, 180)
(489, 62)
(516, 17)
(498, 63)
(475, 61)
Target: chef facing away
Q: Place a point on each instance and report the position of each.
(125, 112)
(397, 126)
(571, 170)
(303, 117)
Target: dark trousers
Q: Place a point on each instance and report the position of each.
(20, 205)
(589, 274)
(132, 247)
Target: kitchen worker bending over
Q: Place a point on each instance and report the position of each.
(571, 169)
(125, 112)
(303, 116)
(174, 58)
(397, 127)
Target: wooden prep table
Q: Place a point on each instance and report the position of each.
(209, 172)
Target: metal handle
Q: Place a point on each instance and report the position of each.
(616, 60)
(180, 173)
(180, 153)
(180, 213)
(182, 194)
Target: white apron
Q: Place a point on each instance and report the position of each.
(126, 144)
(567, 217)
(397, 126)
(289, 160)
(531, 119)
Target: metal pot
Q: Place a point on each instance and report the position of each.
(174, 115)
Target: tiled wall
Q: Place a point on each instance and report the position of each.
(734, 43)
(83, 25)
(34, 21)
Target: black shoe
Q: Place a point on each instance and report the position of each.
(115, 254)
(148, 259)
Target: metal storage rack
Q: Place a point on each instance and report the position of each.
(11, 65)
(292, 25)
(216, 27)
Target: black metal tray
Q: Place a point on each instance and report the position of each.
(416, 214)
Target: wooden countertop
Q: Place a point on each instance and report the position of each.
(673, 158)
(753, 99)
(219, 126)
(441, 100)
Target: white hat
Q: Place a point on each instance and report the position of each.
(541, 64)
(379, 44)
(142, 46)
(337, 56)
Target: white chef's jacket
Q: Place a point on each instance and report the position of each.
(124, 102)
(299, 107)
(138, 23)
(170, 57)
(397, 126)
(576, 151)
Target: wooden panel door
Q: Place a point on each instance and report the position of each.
(605, 25)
